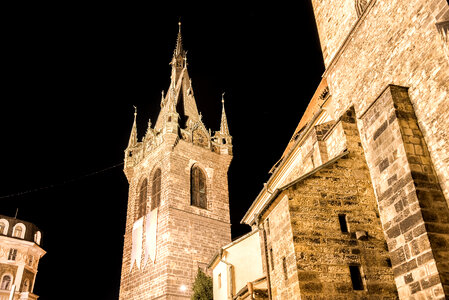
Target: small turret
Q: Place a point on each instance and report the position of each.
(132, 143)
(222, 138)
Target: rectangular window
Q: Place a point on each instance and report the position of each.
(271, 259)
(343, 223)
(268, 226)
(284, 266)
(12, 254)
(219, 281)
(356, 277)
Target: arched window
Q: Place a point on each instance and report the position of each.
(156, 189)
(142, 201)
(6, 282)
(4, 226)
(26, 285)
(198, 187)
(19, 231)
(37, 237)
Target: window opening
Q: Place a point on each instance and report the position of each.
(6, 282)
(156, 189)
(18, 232)
(356, 277)
(198, 188)
(142, 204)
(343, 223)
(12, 254)
(284, 266)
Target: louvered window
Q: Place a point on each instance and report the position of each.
(198, 188)
(142, 200)
(156, 190)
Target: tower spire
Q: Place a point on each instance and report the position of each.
(224, 129)
(133, 137)
(178, 49)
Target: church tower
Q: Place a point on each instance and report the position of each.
(178, 206)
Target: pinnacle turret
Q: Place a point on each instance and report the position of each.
(224, 129)
(133, 136)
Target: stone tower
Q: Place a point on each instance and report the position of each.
(178, 207)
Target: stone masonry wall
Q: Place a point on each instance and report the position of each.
(396, 42)
(187, 236)
(413, 210)
(280, 247)
(323, 252)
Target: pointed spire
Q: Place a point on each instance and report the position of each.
(179, 50)
(224, 129)
(133, 137)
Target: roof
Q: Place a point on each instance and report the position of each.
(310, 111)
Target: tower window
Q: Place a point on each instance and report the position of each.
(198, 188)
(12, 254)
(343, 223)
(271, 259)
(219, 281)
(356, 277)
(142, 200)
(156, 189)
(6, 282)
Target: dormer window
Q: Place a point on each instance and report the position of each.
(4, 227)
(19, 231)
(37, 237)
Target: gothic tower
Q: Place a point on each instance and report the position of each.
(178, 207)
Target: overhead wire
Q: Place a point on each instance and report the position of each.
(49, 186)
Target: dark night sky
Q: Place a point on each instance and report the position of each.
(70, 77)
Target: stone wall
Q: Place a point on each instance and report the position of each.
(394, 42)
(323, 252)
(187, 236)
(412, 207)
(284, 282)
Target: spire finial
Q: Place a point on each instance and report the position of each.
(178, 49)
(133, 136)
(224, 129)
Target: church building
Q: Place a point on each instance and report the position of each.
(178, 206)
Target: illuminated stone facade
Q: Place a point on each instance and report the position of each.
(20, 252)
(178, 207)
(357, 206)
